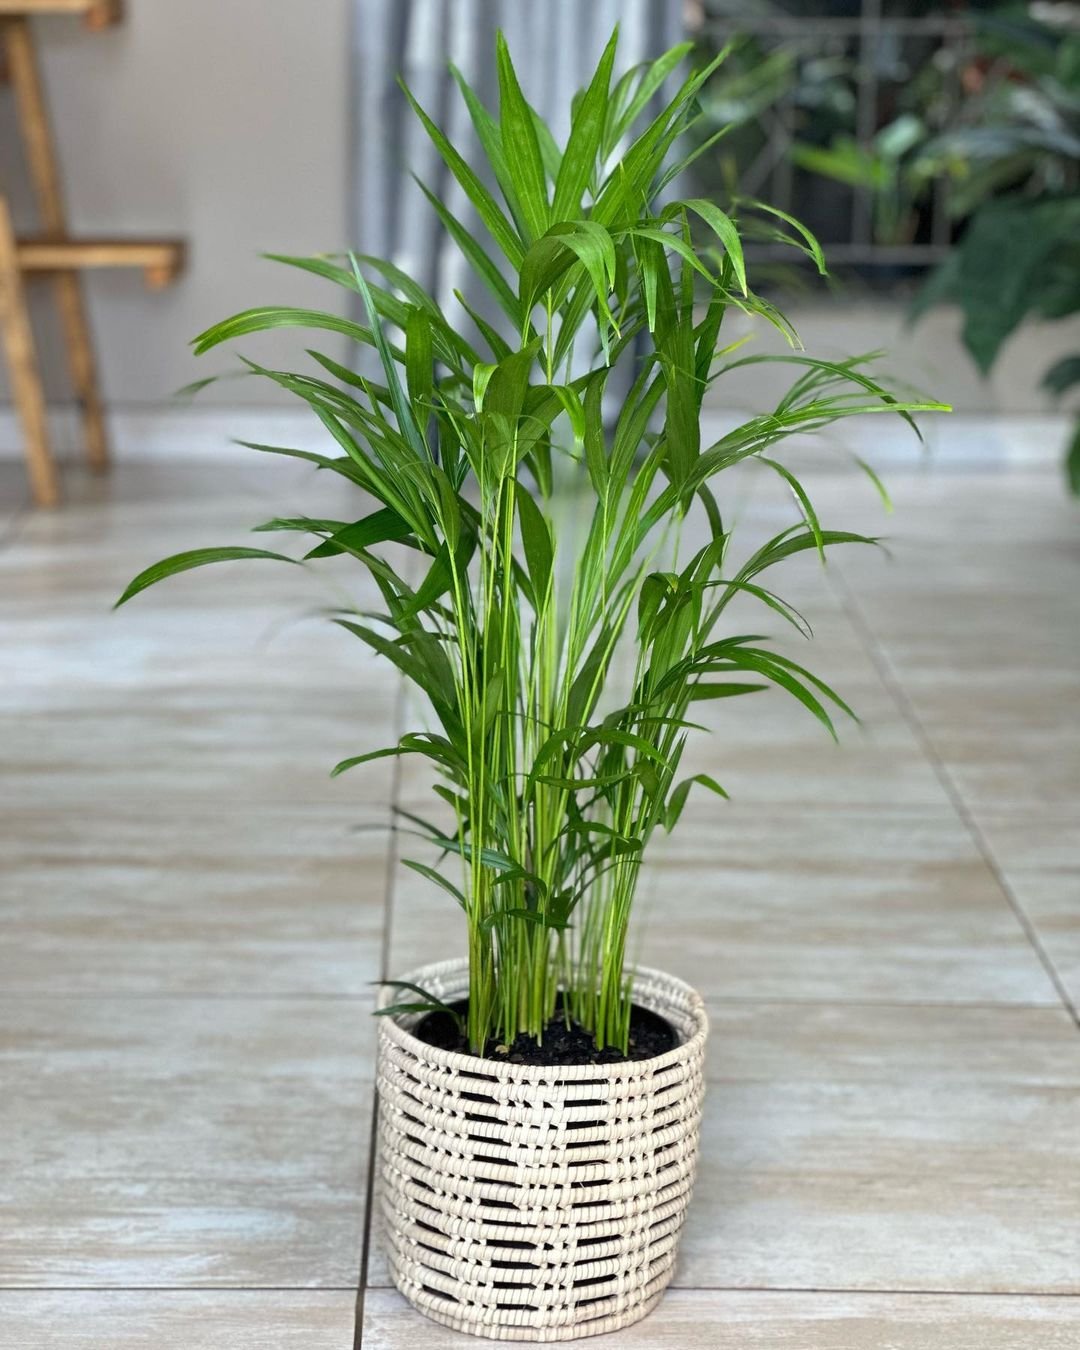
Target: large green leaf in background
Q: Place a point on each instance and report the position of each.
(1005, 269)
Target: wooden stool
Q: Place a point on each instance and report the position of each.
(55, 254)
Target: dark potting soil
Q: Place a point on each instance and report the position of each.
(650, 1035)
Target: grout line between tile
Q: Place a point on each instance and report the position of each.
(828, 1290)
(781, 1289)
(176, 1289)
(738, 1000)
(891, 678)
(875, 1292)
(384, 960)
(975, 1005)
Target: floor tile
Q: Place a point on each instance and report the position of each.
(856, 905)
(767, 749)
(184, 1142)
(1032, 840)
(86, 552)
(163, 1319)
(1006, 509)
(194, 913)
(208, 747)
(236, 901)
(981, 628)
(1032, 759)
(891, 1149)
(731, 1320)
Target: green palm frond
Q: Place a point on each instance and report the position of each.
(558, 671)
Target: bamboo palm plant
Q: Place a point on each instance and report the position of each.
(513, 635)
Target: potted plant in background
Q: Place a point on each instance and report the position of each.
(539, 1103)
(979, 139)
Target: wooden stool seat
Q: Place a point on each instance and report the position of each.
(161, 260)
(97, 13)
(55, 254)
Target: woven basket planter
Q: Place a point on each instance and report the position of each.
(525, 1203)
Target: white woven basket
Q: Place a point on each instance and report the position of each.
(537, 1204)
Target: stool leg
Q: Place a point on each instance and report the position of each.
(22, 362)
(41, 157)
(69, 298)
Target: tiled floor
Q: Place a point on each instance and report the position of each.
(888, 934)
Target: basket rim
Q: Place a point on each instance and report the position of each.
(683, 995)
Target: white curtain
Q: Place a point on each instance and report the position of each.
(555, 45)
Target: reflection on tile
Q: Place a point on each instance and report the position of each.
(705, 1319)
(171, 1142)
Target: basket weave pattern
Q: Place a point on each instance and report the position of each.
(537, 1204)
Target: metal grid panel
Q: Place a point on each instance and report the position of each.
(866, 34)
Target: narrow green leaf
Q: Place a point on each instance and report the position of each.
(550, 154)
(810, 244)
(489, 134)
(379, 528)
(653, 76)
(700, 693)
(431, 1003)
(595, 450)
(437, 879)
(1072, 461)
(536, 538)
(300, 524)
(583, 145)
(197, 557)
(403, 1009)
(482, 264)
(1062, 375)
(803, 499)
(525, 165)
(267, 317)
(724, 228)
(419, 372)
(679, 794)
(486, 206)
(388, 752)
(406, 420)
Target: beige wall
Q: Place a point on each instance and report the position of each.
(225, 121)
